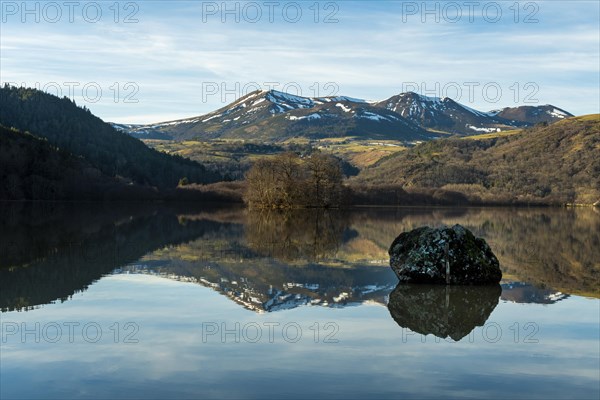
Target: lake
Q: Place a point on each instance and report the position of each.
(190, 301)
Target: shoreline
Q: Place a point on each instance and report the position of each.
(239, 204)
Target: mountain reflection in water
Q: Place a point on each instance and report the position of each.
(271, 261)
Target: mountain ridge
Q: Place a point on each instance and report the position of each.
(277, 116)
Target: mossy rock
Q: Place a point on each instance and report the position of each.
(422, 256)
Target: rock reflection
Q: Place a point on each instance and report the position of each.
(443, 311)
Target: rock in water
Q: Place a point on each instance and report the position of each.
(424, 254)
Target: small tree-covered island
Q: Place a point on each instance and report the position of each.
(291, 181)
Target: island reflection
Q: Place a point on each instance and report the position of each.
(298, 235)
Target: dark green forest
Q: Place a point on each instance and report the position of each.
(33, 169)
(77, 131)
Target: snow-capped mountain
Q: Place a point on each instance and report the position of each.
(276, 116)
(273, 115)
(447, 115)
(532, 114)
(442, 114)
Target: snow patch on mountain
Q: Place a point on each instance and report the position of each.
(483, 129)
(375, 117)
(428, 99)
(309, 117)
(289, 100)
(494, 113)
(343, 107)
(557, 113)
(473, 111)
(213, 117)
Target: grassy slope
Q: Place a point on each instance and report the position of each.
(232, 157)
(558, 163)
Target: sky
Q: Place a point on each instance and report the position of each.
(152, 60)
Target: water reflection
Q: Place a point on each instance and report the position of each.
(553, 248)
(273, 261)
(269, 287)
(443, 311)
(520, 292)
(297, 234)
(51, 251)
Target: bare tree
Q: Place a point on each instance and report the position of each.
(324, 180)
(287, 181)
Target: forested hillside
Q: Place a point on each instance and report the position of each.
(552, 164)
(33, 169)
(77, 131)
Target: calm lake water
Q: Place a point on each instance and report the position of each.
(159, 301)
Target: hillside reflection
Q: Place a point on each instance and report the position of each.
(270, 261)
(50, 251)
